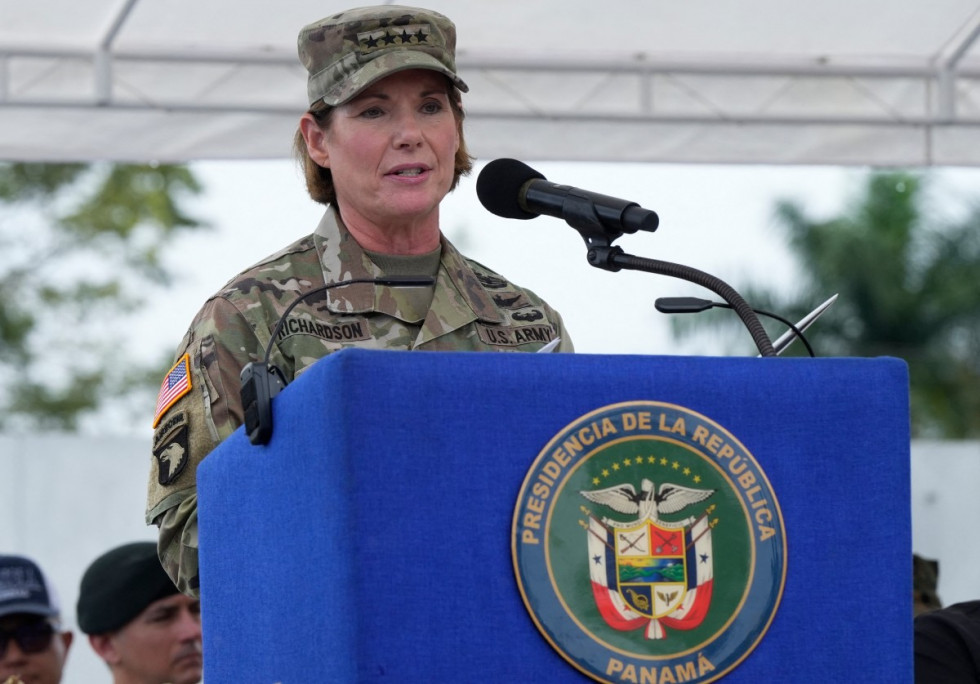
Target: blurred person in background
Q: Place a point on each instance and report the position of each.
(33, 645)
(947, 644)
(925, 580)
(145, 630)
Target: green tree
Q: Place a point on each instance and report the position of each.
(80, 244)
(908, 286)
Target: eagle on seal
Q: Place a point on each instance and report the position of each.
(647, 504)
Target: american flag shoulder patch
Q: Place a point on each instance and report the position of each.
(176, 384)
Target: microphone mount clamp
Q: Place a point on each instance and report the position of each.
(580, 214)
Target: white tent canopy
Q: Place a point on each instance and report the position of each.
(880, 82)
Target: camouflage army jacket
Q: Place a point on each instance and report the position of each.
(472, 308)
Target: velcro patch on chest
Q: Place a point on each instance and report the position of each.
(502, 336)
(347, 330)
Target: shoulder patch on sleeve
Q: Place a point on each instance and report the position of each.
(176, 384)
(172, 455)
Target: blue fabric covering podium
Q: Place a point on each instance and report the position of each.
(370, 540)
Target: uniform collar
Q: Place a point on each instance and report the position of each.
(459, 299)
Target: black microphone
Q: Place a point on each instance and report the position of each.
(512, 189)
(262, 381)
(671, 305)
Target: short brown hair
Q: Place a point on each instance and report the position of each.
(319, 181)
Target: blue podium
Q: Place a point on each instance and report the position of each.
(371, 539)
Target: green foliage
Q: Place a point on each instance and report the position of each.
(908, 288)
(33, 182)
(81, 244)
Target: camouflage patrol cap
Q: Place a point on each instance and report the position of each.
(347, 52)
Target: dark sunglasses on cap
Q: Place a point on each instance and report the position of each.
(31, 637)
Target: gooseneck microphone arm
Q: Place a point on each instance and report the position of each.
(674, 305)
(613, 259)
(512, 189)
(580, 214)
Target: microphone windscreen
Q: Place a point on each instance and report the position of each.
(499, 187)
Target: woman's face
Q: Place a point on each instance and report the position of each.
(391, 150)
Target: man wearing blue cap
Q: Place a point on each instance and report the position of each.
(33, 647)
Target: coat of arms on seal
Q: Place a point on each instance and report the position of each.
(649, 546)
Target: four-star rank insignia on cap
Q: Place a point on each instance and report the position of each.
(648, 545)
(176, 384)
(412, 34)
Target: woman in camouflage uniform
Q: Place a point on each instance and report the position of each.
(381, 145)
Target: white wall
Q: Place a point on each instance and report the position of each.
(66, 500)
(946, 514)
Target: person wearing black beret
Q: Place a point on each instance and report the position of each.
(145, 630)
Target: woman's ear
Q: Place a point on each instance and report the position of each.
(315, 137)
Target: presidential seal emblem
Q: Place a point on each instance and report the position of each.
(648, 545)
